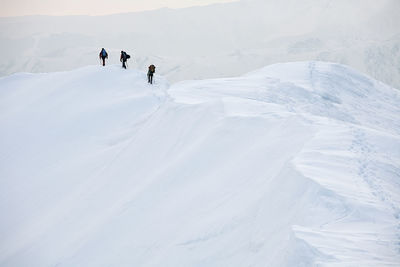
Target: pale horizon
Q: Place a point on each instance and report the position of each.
(18, 8)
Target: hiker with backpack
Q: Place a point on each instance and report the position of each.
(150, 73)
(124, 58)
(103, 55)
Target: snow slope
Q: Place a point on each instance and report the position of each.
(296, 164)
(220, 40)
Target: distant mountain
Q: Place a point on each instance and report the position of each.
(219, 40)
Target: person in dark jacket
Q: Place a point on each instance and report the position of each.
(103, 55)
(150, 73)
(124, 58)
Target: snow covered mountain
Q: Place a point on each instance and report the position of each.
(295, 164)
(221, 40)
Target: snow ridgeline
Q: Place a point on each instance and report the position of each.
(297, 164)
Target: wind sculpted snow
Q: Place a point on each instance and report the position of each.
(295, 164)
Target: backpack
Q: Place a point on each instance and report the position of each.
(103, 53)
(152, 68)
(127, 56)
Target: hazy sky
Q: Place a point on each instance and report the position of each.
(90, 7)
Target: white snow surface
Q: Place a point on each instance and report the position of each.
(296, 164)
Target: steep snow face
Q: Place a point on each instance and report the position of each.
(295, 164)
(214, 41)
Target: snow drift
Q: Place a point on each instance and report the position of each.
(295, 164)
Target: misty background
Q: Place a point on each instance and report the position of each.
(91, 7)
(219, 40)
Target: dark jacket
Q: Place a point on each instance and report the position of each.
(152, 69)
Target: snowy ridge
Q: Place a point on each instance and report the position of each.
(220, 40)
(351, 154)
(296, 164)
